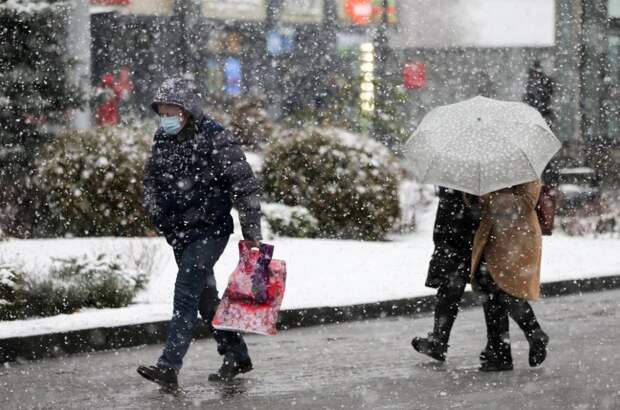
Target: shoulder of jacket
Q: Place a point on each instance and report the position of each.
(209, 127)
(225, 138)
(158, 136)
(211, 134)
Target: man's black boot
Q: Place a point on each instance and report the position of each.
(230, 368)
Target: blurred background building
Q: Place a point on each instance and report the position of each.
(292, 52)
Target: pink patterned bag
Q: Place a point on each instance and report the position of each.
(252, 300)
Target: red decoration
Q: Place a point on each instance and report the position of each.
(414, 75)
(359, 11)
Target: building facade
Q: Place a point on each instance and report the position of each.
(289, 49)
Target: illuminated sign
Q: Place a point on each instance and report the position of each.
(362, 12)
(367, 86)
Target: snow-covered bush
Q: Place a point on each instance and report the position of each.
(598, 218)
(91, 183)
(414, 198)
(347, 181)
(250, 121)
(71, 284)
(100, 282)
(293, 221)
(12, 297)
(36, 93)
(245, 116)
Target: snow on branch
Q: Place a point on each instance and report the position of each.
(31, 7)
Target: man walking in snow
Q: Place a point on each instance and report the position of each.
(195, 174)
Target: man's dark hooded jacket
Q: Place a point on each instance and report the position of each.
(192, 179)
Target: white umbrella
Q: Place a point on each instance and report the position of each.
(481, 145)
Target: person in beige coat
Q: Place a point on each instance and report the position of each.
(506, 258)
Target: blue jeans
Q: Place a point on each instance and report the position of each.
(195, 291)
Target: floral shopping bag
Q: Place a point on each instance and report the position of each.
(252, 300)
(249, 279)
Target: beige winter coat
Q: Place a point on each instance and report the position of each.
(510, 239)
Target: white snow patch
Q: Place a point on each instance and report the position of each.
(29, 6)
(256, 160)
(320, 272)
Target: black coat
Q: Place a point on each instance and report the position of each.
(455, 226)
(192, 180)
(539, 92)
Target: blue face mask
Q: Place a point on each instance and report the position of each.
(171, 125)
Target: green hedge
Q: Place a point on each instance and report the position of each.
(71, 284)
(347, 181)
(91, 183)
(291, 221)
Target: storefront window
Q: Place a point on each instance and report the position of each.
(611, 102)
(233, 62)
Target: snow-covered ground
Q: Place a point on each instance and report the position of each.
(320, 272)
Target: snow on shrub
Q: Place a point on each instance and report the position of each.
(293, 221)
(413, 197)
(347, 181)
(90, 183)
(71, 284)
(250, 121)
(11, 292)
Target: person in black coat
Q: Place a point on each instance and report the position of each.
(195, 174)
(539, 90)
(456, 223)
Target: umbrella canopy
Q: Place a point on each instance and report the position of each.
(481, 145)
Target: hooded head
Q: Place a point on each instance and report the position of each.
(181, 92)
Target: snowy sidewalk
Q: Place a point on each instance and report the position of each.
(358, 365)
(321, 273)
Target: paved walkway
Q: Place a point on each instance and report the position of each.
(357, 365)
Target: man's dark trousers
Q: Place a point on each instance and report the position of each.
(195, 291)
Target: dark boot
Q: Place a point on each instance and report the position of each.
(166, 378)
(538, 347)
(230, 368)
(483, 353)
(497, 358)
(430, 346)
